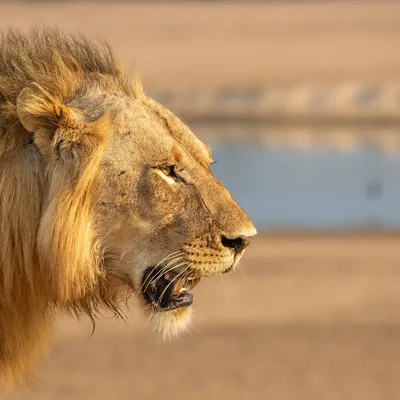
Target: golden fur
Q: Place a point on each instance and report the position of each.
(79, 213)
(28, 286)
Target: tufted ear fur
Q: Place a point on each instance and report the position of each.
(55, 126)
(38, 109)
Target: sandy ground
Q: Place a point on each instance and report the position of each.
(309, 318)
(205, 45)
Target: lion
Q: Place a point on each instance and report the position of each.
(104, 193)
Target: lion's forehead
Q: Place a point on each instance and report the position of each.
(158, 133)
(180, 132)
(191, 151)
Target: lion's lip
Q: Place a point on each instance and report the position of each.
(236, 260)
(167, 291)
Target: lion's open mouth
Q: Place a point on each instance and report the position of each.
(167, 291)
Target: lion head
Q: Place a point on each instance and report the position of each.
(106, 192)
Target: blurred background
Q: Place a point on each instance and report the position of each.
(300, 102)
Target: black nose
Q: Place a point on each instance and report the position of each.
(237, 244)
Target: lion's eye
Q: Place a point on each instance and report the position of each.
(170, 171)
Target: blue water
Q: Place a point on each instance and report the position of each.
(312, 189)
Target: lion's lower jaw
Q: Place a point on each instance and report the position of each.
(169, 324)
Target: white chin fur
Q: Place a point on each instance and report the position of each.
(170, 324)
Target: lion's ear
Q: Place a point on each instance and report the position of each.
(56, 127)
(38, 109)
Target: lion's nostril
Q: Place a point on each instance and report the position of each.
(237, 244)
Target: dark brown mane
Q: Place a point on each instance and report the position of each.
(51, 58)
(59, 62)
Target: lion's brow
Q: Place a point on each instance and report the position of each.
(180, 132)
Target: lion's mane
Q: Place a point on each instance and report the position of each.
(49, 255)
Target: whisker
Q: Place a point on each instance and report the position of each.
(163, 271)
(225, 287)
(172, 255)
(240, 268)
(171, 269)
(168, 257)
(182, 275)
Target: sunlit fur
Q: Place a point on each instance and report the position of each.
(171, 323)
(77, 227)
(52, 259)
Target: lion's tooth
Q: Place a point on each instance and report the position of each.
(179, 286)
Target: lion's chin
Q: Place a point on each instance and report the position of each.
(170, 324)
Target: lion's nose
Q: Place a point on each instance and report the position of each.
(238, 244)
